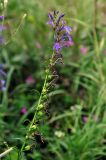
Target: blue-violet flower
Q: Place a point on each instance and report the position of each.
(62, 36)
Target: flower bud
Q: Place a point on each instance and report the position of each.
(49, 77)
(27, 137)
(40, 113)
(44, 90)
(45, 97)
(47, 70)
(33, 127)
(40, 106)
(28, 147)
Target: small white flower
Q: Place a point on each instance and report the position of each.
(59, 134)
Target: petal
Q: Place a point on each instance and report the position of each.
(61, 16)
(68, 29)
(57, 46)
(2, 27)
(68, 43)
(1, 18)
(50, 16)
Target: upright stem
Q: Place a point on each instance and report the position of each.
(34, 118)
(37, 107)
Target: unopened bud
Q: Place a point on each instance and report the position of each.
(50, 76)
(40, 106)
(44, 90)
(45, 97)
(47, 70)
(33, 127)
(40, 113)
(27, 148)
(26, 137)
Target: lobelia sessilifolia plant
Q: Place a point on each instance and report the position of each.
(2, 42)
(2, 73)
(2, 78)
(62, 38)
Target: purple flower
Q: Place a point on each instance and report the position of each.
(1, 40)
(57, 46)
(51, 20)
(2, 84)
(68, 43)
(2, 81)
(50, 16)
(2, 27)
(30, 80)
(85, 119)
(59, 19)
(61, 28)
(68, 29)
(62, 37)
(23, 110)
(84, 50)
(1, 18)
(2, 73)
(51, 23)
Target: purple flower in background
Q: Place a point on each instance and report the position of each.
(2, 27)
(2, 73)
(1, 40)
(30, 80)
(2, 77)
(2, 85)
(85, 119)
(84, 50)
(23, 110)
(62, 37)
(68, 43)
(1, 18)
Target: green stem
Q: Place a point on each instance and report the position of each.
(39, 102)
(33, 120)
(96, 43)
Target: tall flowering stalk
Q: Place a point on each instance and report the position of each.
(2, 27)
(2, 73)
(62, 38)
(2, 78)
